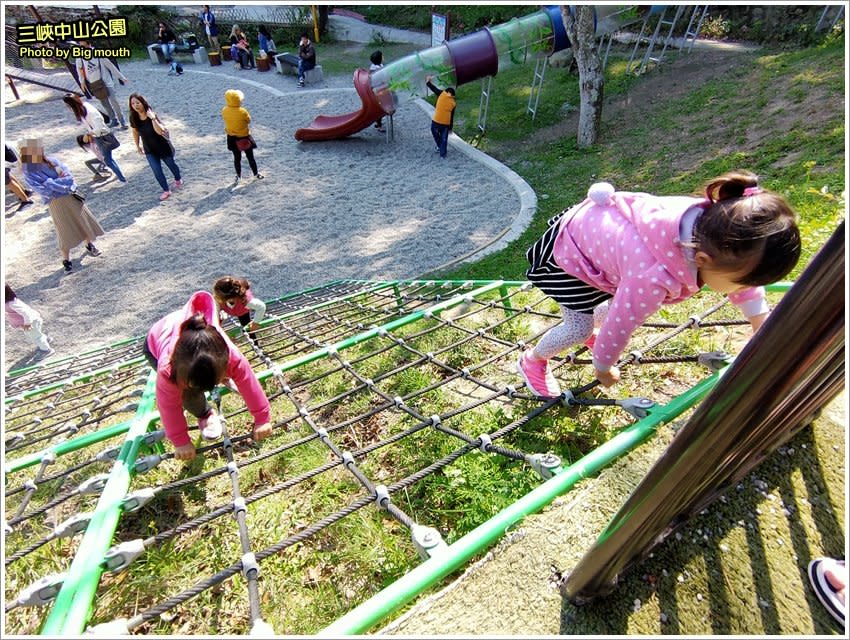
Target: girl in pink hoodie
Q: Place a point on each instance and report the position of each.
(191, 355)
(641, 251)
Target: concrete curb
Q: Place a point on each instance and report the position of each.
(527, 197)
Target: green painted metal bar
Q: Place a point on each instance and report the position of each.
(75, 444)
(509, 311)
(398, 301)
(359, 620)
(19, 372)
(72, 608)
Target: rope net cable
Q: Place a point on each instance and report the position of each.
(400, 396)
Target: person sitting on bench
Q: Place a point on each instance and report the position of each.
(167, 41)
(240, 49)
(306, 58)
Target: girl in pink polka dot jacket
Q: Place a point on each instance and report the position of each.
(641, 251)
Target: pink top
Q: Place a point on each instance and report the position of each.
(630, 247)
(239, 308)
(19, 313)
(161, 340)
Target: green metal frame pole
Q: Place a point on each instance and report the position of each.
(359, 620)
(80, 442)
(72, 608)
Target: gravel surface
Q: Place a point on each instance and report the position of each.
(354, 208)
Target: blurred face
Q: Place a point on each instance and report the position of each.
(137, 106)
(32, 151)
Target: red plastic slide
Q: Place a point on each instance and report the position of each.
(334, 127)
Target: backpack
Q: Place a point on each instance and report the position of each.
(176, 67)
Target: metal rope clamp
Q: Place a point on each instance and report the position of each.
(136, 500)
(546, 465)
(117, 627)
(120, 556)
(95, 484)
(638, 407)
(382, 496)
(239, 505)
(73, 525)
(249, 564)
(427, 540)
(147, 463)
(42, 591)
(568, 398)
(714, 360)
(486, 443)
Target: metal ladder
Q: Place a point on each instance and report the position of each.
(537, 85)
(692, 32)
(652, 40)
(824, 17)
(607, 38)
(484, 103)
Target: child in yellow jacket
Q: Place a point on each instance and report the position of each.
(444, 113)
(236, 120)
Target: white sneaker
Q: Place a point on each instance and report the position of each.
(210, 426)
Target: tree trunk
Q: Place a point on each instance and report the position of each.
(582, 35)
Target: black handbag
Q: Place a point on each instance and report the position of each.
(108, 142)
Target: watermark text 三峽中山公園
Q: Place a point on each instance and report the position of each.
(86, 53)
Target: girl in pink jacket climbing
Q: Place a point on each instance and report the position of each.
(641, 251)
(191, 354)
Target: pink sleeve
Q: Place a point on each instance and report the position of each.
(249, 387)
(634, 302)
(169, 402)
(750, 301)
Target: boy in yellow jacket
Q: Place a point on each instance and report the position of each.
(239, 139)
(444, 113)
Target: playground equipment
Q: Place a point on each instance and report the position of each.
(481, 55)
(431, 361)
(471, 57)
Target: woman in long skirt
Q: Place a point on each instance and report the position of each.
(52, 180)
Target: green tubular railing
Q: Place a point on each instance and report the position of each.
(73, 605)
(360, 619)
(80, 442)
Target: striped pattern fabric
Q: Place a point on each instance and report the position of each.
(556, 283)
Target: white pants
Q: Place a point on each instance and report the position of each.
(35, 335)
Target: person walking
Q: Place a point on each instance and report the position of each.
(22, 316)
(156, 144)
(444, 114)
(52, 180)
(95, 130)
(98, 75)
(239, 139)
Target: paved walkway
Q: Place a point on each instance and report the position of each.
(354, 208)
